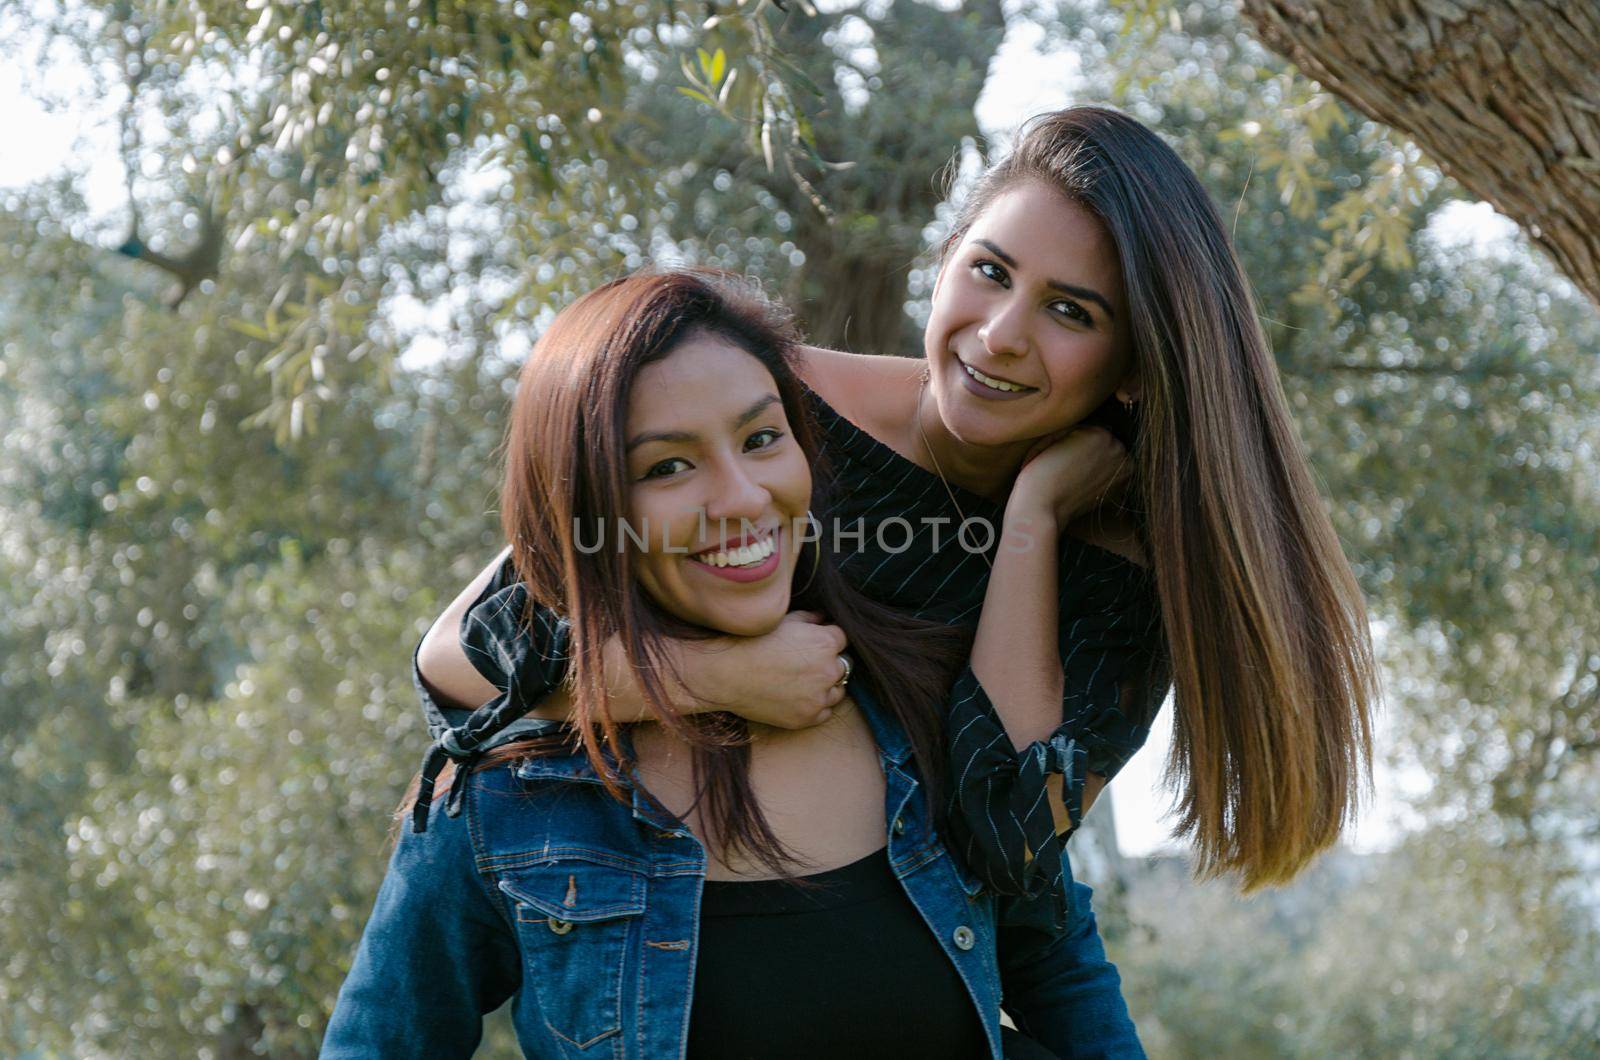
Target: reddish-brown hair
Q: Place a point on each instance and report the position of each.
(565, 474)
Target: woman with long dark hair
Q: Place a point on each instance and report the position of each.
(703, 886)
(1088, 280)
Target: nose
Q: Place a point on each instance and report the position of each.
(1005, 332)
(736, 493)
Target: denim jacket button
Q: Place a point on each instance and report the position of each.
(561, 927)
(964, 938)
(899, 826)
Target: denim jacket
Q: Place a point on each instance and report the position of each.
(545, 889)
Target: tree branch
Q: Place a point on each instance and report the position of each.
(1498, 92)
(201, 263)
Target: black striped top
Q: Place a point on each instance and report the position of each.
(1113, 652)
(894, 531)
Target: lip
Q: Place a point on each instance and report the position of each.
(975, 387)
(760, 572)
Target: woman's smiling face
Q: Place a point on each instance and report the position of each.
(1027, 333)
(716, 483)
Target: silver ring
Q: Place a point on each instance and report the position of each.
(845, 680)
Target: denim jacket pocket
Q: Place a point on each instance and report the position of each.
(576, 923)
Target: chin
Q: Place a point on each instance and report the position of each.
(975, 429)
(971, 420)
(974, 424)
(745, 624)
(749, 617)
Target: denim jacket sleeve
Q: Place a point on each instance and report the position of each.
(1061, 990)
(438, 953)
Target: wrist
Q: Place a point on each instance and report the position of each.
(701, 665)
(1033, 508)
(1028, 526)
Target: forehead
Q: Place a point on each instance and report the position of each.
(700, 386)
(1049, 234)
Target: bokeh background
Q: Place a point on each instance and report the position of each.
(267, 271)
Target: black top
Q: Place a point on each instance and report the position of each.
(844, 967)
(1113, 652)
(909, 555)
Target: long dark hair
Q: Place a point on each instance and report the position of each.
(1266, 628)
(565, 475)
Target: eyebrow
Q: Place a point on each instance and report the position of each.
(688, 436)
(1088, 294)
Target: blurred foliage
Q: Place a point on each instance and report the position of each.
(1445, 946)
(227, 516)
(334, 138)
(1361, 217)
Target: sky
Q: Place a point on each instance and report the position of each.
(35, 143)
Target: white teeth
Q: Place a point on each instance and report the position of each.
(744, 556)
(991, 382)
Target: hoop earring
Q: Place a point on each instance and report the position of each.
(811, 520)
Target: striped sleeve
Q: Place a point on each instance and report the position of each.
(519, 646)
(1114, 679)
(512, 640)
(439, 716)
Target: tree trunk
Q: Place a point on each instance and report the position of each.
(239, 1038)
(1503, 94)
(853, 297)
(851, 291)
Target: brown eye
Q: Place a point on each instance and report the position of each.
(762, 439)
(665, 468)
(990, 271)
(1073, 311)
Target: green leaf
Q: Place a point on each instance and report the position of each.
(254, 331)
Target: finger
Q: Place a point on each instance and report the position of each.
(835, 696)
(838, 641)
(806, 616)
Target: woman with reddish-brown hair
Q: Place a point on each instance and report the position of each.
(702, 886)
